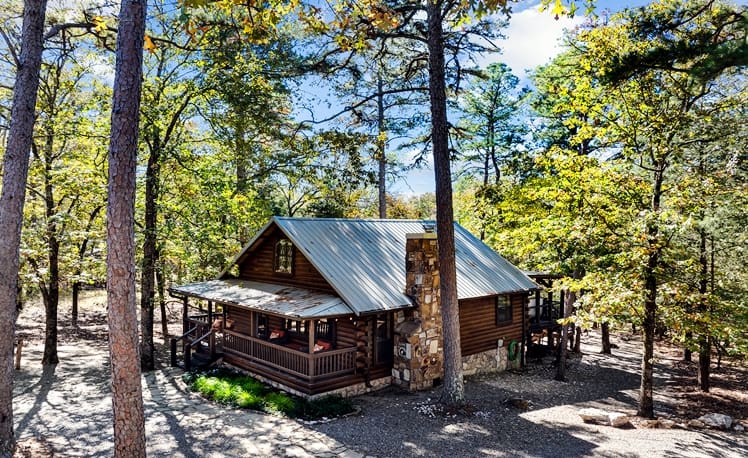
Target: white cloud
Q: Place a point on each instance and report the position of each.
(533, 38)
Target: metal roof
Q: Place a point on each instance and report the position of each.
(364, 260)
(277, 299)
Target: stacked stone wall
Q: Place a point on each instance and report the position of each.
(418, 361)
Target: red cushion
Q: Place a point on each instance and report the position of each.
(277, 334)
(324, 345)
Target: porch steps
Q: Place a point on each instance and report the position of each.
(200, 361)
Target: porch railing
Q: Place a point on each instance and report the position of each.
(289, 361)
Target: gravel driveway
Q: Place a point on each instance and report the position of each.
(402, 425)
(66, 410)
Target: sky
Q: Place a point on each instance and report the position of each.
(532, 39)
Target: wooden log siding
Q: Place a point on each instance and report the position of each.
(242, 319)
(345, 333)
(478, 330)
(259, 267)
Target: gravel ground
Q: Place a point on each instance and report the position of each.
(397, 424)
(392, 423)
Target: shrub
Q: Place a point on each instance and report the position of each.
(232, 388)
(327, 406)
(280, 403)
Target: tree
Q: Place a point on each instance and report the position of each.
(491, 125)
(62, 180)
(127, 398)
(659, 63)
(15, 173)
(168, 93)
(406, 20)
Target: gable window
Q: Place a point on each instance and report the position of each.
(503, 310)
(283, 262)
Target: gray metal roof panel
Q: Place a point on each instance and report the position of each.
(278, 299)
(364, 260)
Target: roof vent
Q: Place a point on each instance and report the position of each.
(428, 227)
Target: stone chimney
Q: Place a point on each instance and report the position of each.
(419, 362)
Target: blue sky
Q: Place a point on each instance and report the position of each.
(532, 39)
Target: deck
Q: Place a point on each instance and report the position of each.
(305, 372)
(287, 364)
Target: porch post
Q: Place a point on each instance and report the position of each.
(312, 325)
(211, 339)
(184, 315)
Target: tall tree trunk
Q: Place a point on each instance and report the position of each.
(148, 267)
(569, 298)
(483, 204)
(705, 347)
(52, 289)
(687, 350)
(161, 288)
(454, 389)
(51, 302)
(15, 174)
(127, 396)
(381, 151)
(646, 399)
(605, 333)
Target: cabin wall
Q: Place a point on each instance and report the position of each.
(242, 319)
(345, 333)
(478, 330)
(258, 266)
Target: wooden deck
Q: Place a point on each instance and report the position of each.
(308, 373)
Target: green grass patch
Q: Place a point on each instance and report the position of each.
(239, 390)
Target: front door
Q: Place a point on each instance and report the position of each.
(383, 339)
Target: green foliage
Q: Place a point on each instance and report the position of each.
(325, 407)
(280, 403)
(232, 388)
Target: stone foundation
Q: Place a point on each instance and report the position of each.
(485, 362)
(346, 392)
(357, 389)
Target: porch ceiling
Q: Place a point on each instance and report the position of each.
(278, 299)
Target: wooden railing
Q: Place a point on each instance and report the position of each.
(174, 341)
(289, 361)
(199, 332)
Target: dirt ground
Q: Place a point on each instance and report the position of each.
(594, 380)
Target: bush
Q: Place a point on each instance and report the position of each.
(232, 388)
(325, 407)
(280, 403)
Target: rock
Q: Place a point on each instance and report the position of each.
(522, 404)
(599, 416)
(618, 419)
(738, 427)
(716, 420)
(649, 424)
(592, 415)
(696, 424)
(666, 424)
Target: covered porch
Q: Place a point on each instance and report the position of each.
(300, 340)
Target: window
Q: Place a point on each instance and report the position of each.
(297, 327)
(262, 325)
(503, 310)
(283, 262)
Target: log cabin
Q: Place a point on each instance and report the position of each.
(317, 306)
